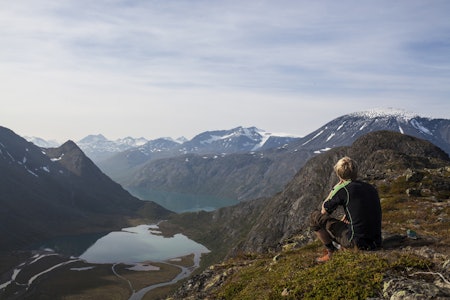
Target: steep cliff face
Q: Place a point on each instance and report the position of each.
(379, 155)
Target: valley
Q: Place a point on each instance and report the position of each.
(48, 275)
(247, 211)
(128, 263)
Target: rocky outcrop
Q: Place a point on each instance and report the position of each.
(421, 285)
(377, 156)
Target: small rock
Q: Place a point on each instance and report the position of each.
(403, 288)
(411, 234)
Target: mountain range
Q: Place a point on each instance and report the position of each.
(245, 163)
(208, 170)
(138, 151)
(98, 147)
(45, 192)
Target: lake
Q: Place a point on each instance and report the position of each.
(130, 245)
(180, 202)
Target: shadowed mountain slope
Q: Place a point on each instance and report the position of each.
(48, 192)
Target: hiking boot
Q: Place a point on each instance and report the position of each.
(327, 253)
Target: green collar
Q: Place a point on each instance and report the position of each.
(337, 187)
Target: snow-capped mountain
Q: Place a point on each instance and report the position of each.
(97, 147)
(40, 142)
(239, 139)
(217, 175)
(236, 140)
(344, 130)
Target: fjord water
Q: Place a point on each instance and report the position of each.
(181, 202)
(130, 245)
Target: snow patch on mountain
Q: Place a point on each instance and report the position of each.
(40, 142)
(420, 127)
(314, 137)
(340, 126)
(215, 138)
(322, 150)
(386, 112)
(331, 136)
(132, 142)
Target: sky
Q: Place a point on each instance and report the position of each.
(159, 68)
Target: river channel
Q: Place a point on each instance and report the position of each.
(136, 246)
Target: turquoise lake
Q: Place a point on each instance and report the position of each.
(179, 202)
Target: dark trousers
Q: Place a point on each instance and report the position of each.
(338, 230)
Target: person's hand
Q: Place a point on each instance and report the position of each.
(345, 220)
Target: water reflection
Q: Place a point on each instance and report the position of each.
(137, 244)
(130, 245)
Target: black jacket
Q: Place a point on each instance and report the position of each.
(363, 210)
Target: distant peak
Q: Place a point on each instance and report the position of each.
(69, 145)
(93, 137)
(386, 112)
(181, 140)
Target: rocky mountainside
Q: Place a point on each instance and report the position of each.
(234, 176)
(49, 192)
(271, 249)
(377, 156)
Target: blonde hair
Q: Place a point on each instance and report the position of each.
(346, 168)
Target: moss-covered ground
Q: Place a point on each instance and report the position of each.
(421, 206)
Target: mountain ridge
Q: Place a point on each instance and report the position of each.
(268, 175)
(49, 192)
(154, 167)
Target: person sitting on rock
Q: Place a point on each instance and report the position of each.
(360, 227)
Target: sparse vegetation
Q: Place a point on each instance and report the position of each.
(294, 274)
(349, 275)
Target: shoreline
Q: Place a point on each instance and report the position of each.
(49, 273)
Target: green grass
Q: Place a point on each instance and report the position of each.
(349, 275)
